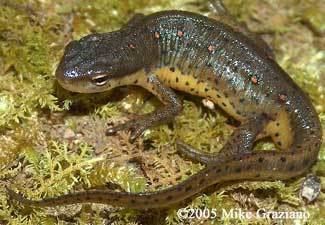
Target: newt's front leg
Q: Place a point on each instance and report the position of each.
(172, 106)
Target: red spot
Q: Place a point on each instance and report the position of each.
(157, 35)
(211, 48)
(254, 80)
(131, 46)
(283, 97)
(180, 33)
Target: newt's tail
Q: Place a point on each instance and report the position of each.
(256, 166)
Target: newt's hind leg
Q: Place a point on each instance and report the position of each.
(240, 142)
(220, 12)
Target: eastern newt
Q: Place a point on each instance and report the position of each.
(204, 57)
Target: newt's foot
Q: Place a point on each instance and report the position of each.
(135, 126)
(193, 154)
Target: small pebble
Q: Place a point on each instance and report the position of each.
(310, 188)
(68, 134)
(207, 103)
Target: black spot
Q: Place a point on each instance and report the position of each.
(218, 170)
(283, 159)
(260, 159)
(277, 124)
(156, 200)
(187, 83)
(291, 168)
(133, 201)
(172, 69)
(176, 79)
(276, 134)
(209, 65)
(305, 162)
(224, 104)
(188, 188)
(169, 197)
(192, 89)
(206, 89)
(312, 132)
(225, 94)
(279, 143)
(241, 100)
(135, 82)
(218, 96)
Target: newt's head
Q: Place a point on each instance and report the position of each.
(92, 63)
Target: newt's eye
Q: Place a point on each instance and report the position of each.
(100, 80)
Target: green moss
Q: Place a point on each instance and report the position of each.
(53, 141)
